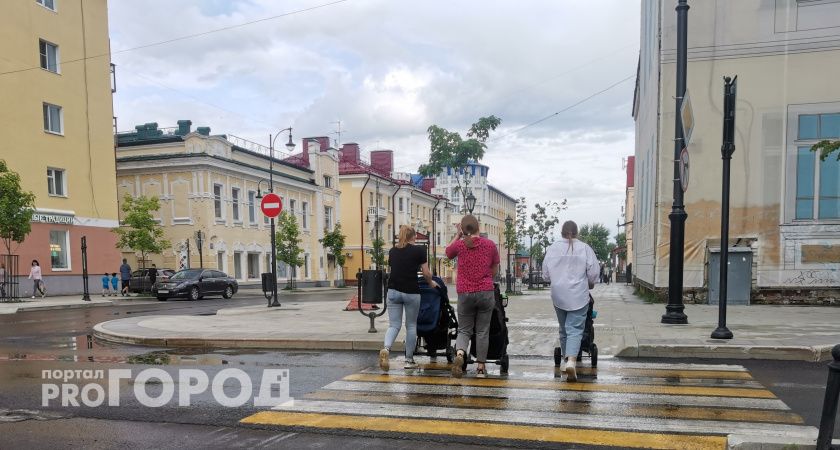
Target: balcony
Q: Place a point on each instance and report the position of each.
(374, 212)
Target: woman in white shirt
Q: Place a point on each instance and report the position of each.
(572, 268)
(35, 276)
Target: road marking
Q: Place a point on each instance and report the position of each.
(477, 429)
(589, 387)
(669, 412)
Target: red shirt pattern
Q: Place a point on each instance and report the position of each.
(475, 265)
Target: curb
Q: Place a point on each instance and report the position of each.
(102, 333)
(817, 353)
(58, 307)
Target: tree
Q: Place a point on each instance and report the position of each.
(450, 150)
(333, 242)
(596, 236)
(826, 148)
(621, 242)
(287, 241)
(521, 219)
(140, 231)
(377, 253)
(544, 220)
(16, 208)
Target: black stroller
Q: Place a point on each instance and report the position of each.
(497, 350)
(437, 324)
(587, 342)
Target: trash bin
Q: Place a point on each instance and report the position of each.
(268, 282)
(372, 281)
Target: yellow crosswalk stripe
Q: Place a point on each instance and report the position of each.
(557, 385)
(667, 412)
(623, 439)
(628, 371)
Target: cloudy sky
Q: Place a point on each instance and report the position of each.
(388, 69)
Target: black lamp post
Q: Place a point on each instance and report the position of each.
(290, 146)
(508, 229)
(470, 202)
(530, 258)
(199, 243)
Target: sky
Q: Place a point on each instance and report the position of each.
(389, 69)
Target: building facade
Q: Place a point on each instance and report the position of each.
(56, 119)
(377, 201)
(213, 183)
(785, 202)
(629, 208)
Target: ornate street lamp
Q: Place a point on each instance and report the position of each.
(470, 202)
(290, 146)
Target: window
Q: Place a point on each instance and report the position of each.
(371, 198)
(234, 196)
(328, 218)
(55, 182)
(328, 181)
(220, 261)
(253, 265)
(237, 265)
(49, 55)
(306, 265)
(53, 116)
(49, 4)
(292, 207)
(59, 249)
(252, 207)
(303, 212)
(401, 205)
(217, 201)
(817, 182)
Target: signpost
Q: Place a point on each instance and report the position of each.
(684, 169)
(687, 118)
(271, 205)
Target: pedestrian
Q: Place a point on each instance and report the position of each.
(152, 277)
(38, 285)
(115, 284)
(629, 279)
(106, 283)
(609, 274)
(125, 276)
(2, 280)
(405, 260)
(601, 273)
(572, 268)
(478, 262)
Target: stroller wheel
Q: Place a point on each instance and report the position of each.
(593, 353)
(505, 363)
(450, 354)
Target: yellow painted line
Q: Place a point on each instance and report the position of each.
(566, 386)
(624, 439)
(627, 371)
(664, 412)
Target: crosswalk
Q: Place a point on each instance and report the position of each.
(619, 404)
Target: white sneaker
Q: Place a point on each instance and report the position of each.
(458, 365)
(410, 364)
(33, 296)
(560, 370)
(571, 373)
(383, 360)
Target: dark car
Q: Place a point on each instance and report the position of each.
(140, 281)
(195, 284)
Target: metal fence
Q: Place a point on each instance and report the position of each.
(9, 278)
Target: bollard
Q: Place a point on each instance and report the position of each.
(832, 395)
(371, 286)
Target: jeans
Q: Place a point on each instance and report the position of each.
(397, 301)
(571, 330)
(475, 309)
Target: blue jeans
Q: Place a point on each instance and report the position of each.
(397, 301)
(571, 330)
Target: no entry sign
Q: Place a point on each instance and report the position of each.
(271, 205)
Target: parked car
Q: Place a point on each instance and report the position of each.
(194, 284)
(140, 281)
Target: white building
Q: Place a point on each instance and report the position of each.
(785, 203)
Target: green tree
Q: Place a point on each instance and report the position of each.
(287, 241)
(333, 241)
(140, 231)
(543, 221)
(16, 208)
(450, 150)
(521, 219)
(597, 236)
(377, 253)
(826, 148)
(621, 242)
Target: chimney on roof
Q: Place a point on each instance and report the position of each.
(428, 184)
(204, 131)
(321, 143)
(350, 153)
(184, 127)
(382, 161)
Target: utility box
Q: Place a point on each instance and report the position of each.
(739, 276)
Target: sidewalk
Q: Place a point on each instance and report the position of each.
(62, 302)
(625, 326)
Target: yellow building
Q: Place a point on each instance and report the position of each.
(376, 201)
(56, 119)
(212, 183)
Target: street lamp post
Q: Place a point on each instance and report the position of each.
(508, 229)
(530, 258)
(469, 202)
(290, 146)
(199, 243)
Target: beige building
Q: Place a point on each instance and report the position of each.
(785, 202)
(56, 119)
(212, 182)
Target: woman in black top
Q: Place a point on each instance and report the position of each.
(406, 259)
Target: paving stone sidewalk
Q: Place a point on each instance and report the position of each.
(626, 326)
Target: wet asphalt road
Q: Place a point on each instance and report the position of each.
(60, 339)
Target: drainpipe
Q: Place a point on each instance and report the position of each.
(394, 216)
(362, 220)
(434, 238)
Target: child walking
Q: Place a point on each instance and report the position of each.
(115, 284)
(106, 285)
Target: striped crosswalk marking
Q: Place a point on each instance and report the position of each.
(629, 405)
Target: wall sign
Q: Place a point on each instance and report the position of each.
(52, 218)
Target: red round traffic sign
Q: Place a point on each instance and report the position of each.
(271, 205)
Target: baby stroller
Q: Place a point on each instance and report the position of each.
(587, 342)
(437, 324)
(497, 350)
